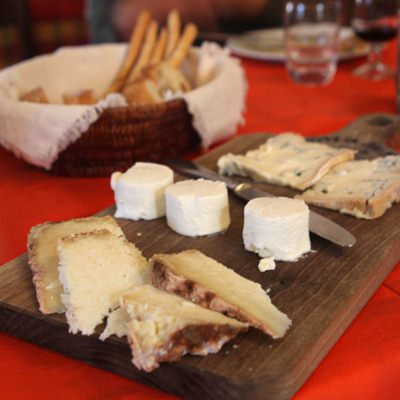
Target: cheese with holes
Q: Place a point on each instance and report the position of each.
(286, 159)
(139, 192)
(197, 207)
(277, 227)
(362, 188)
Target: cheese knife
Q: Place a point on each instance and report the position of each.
(319, 224)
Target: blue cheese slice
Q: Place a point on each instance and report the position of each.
(286, 159)
(362, 188)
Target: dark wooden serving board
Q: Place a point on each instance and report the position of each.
(322, 293)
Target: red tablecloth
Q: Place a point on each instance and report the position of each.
(363, 364)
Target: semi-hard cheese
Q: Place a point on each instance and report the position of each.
(277, 227)
(197, 207)
(164, 327)
(203, 280)
(139, 192)
(95, 269)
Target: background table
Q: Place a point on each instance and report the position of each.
(363, 364)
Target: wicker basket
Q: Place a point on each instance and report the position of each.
(124, 135)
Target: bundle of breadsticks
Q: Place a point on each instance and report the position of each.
(151, 65)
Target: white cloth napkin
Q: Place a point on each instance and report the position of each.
(38, 132)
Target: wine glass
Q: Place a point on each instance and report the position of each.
(375, 21)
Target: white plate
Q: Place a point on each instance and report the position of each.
(267, 45)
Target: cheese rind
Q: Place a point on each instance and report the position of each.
(206, 282)
(286, 159)
(197, 207)
(139, 192)
(362, 188)
(164, 327)
(277, 227)
(43, 258)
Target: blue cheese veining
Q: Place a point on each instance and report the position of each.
(362, 188)
(286, 159)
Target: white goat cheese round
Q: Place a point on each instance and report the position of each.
(277, 227)
(139, 192)
(197, 207)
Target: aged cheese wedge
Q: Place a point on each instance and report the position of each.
(197, 207)
(362, 188)
(164, 327)
(95, 269)
(286, 159)
(201, 279)
(43, 258)
(277, 227)
(139, 192)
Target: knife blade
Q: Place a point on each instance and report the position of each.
(318, 224)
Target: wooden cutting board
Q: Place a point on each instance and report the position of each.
(322, 293)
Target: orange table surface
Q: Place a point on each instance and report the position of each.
(363, 364)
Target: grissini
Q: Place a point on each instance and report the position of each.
(135, 44)
(145, 52)
(174, 30)
(183, 46)
(159, 48)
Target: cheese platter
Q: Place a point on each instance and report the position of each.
(322, 292)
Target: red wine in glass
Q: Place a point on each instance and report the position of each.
(375, 21)
(378, 34)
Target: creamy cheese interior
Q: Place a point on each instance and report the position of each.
(197, 207)
(277, 227)
(139, 192)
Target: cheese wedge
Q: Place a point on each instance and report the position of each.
(203, 280)
(164, 327)
(286, 159)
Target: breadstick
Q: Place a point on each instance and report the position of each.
(145, 52)
(174, 30)
(159, 47)
(132, 52)
(186, 40)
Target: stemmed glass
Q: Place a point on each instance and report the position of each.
(375, 21)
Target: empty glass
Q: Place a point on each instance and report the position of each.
(311, 40)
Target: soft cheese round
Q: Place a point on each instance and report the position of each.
(197, 207)
(139, 192)
(276, 226)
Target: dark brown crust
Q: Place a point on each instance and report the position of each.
(192, 339)
(165, 279)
